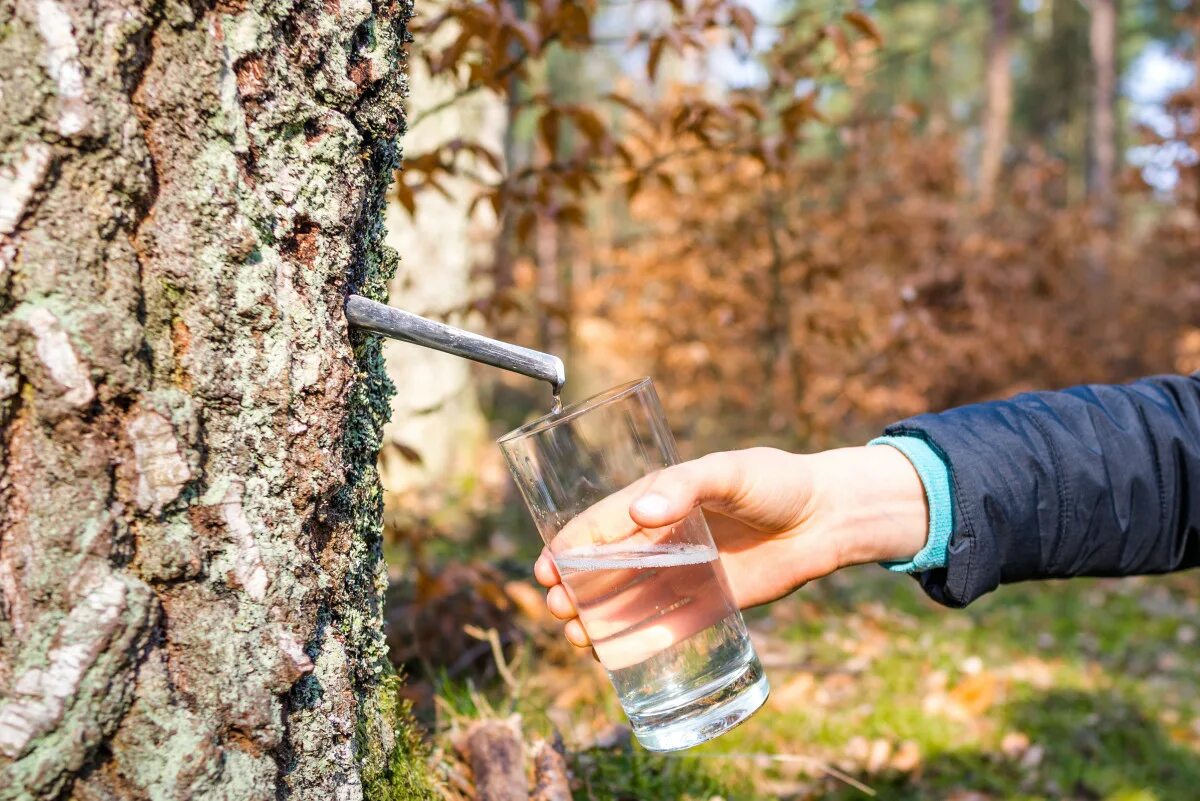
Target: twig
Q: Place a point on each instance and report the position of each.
(493, 638)
(820, 765)
(474, 86)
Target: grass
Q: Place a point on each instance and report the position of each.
(1068, 690)
(1080, 690)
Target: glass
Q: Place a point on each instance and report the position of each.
(655, 602)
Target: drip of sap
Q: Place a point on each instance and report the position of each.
(556, 405)
(662, 621)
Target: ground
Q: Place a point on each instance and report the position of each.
(1080, 690)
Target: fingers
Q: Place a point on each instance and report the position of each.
(717, 480)
(573, 630)
(545, 571)
(559, 603)
(656, 501)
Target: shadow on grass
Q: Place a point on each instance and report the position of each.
(1093, 747)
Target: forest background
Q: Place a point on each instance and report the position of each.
(805, 220)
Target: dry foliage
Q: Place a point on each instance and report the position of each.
(782, 274)
(619, 136)
(850, 290)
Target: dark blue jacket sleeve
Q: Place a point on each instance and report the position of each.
(1090, 481)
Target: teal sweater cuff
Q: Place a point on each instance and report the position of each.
(935, 477)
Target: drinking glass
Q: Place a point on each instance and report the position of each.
(655, 602)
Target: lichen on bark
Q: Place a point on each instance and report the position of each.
(190, 568)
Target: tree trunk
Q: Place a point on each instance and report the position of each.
(1102, 36)
(189, 510)
(998, 111)
(438, 433)
(503, 279)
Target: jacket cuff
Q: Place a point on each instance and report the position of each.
(935, 478)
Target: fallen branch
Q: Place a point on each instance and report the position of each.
(551, 782)
(497, 758)
(492, 637)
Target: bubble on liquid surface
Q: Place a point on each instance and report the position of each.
(619, 556)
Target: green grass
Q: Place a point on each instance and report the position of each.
(1068, 690)
(1094, 674)
(629, 773)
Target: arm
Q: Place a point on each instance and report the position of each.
(1094, 480)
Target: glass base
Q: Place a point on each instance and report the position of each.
(710, 715)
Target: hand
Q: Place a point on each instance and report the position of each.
(779, 519)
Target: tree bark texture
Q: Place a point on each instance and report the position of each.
(551, 776)
(998, 111)
(190, 577)
(496, 753)
(1102, 37)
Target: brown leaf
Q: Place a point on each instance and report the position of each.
(907, 758)
(752, 107)
(591, 125)
(525, 224)
(574, 24)
(744, 19)
(529, 600)
(548, 129)
(865, 25)
(571, 215)
(976, 694)
(489, 156)
(795, 693)
(655, 53)
(404, 194)
(840, 43)
(409, 453)
(633, 187)
(528, 35)
(625, 154)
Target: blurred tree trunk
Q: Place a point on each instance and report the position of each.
(1195, 28)
(998, 111)
(189, 507)
(437, 431)
(1102, 36)
(506, 243)
(1054, 101)
(940, 59)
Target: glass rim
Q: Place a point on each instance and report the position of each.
(570, 412)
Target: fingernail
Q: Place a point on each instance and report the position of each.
(652, 505)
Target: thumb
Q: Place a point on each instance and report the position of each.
(716, 480)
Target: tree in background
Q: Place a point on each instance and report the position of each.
(998, 99)
(190, 575)
(437, 434)
(711, 213)
(1102, 38)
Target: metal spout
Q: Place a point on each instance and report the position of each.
(369, 315)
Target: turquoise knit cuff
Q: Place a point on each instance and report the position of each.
(935, 476)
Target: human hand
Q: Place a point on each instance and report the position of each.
(779, 519)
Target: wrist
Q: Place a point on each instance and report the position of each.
(870, 504)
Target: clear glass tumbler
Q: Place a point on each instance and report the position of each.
(655, 602)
